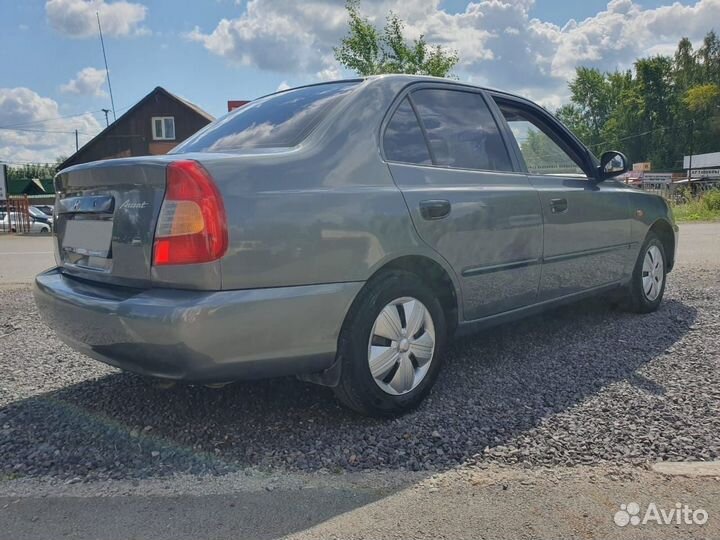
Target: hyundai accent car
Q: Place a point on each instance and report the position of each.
(343, 232)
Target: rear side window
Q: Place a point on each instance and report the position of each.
(403, 139)
(280, 120)
(461, 130)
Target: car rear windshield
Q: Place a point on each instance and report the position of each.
(279, 120)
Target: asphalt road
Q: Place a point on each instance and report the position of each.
(498, 504)
(22, 257)
(504, 494)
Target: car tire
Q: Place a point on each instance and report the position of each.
(647, 285)
(44, 230)
(404, 369)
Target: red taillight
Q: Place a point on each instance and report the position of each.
(191, 227)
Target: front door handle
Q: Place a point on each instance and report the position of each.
(435, 209)
(558, 206)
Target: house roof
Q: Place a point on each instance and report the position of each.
(30, 186)
(190, 104)
(129, 112)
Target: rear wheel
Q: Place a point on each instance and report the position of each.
(647, 285)
(391, 346)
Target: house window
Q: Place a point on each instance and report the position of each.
(163, 128)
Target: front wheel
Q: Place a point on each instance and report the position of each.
(391, 345)
(647, 285)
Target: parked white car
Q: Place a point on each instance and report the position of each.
(11, 223)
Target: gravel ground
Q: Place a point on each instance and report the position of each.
(580, 385)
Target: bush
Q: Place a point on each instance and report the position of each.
(711, 200)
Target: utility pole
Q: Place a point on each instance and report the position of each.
(106, 111)
(107, 71)
(692, 141)
(77, 146)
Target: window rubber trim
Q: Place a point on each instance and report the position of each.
(453, 87)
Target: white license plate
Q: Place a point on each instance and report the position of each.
(88, 237)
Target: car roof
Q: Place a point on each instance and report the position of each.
(393, 78)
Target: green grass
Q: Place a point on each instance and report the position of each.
(695, 211)
(706, 208)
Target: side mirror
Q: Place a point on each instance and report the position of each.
(612, 163)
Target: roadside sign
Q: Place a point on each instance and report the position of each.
(705, 173)
(642, 166)
(657, 178)
(3, 183)
(702, 161)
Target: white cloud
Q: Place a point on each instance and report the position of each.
(499, 43)
(41, 134)
(278, 35)
(283, 86)
(89, 81)
(76, 18)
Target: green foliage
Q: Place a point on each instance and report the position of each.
(706, 207)
(539, 151)
(694, 210)
(663, 109)
(27, 172)
(368, 51)
(702, 98)
(711, 200)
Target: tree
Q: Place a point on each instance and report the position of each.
(702, 99)
(590, 94)
(31, 170)
(368, 51)
(658, 112)
(709, 57)
(539, 150)
(685, 65)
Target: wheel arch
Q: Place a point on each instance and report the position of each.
(666, 234)
(436, 277)
(431, 272)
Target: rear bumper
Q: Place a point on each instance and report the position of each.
(198, 336)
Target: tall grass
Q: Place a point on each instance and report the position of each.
(704, 208)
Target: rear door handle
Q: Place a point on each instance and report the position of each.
(435, 209)
(558, 206)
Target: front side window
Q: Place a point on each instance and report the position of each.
(404, 140)
(276, 121)
(461, 130)
(537, 143)
(163, 128)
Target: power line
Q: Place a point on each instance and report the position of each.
(107, 71)
(22, 162)
(32, 122)
(75, 115)
(41, 130)
(635, 135)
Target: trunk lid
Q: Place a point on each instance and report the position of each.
(105, 219)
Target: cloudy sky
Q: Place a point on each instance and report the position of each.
(52, 79)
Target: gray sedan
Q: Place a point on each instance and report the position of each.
(344, 232)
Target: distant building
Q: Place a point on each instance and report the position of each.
(236, 104)
(154, 125)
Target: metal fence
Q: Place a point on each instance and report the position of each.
(15, 215)
(683, 191)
